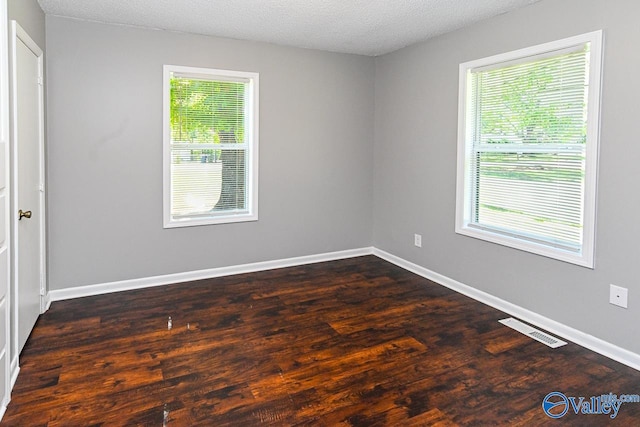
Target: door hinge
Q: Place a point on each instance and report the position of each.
(40, 80)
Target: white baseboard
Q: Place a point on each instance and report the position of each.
(46, 302)
(598, 345)
(148, 282)
(15, 370)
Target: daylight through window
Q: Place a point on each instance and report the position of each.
(528, 145)
(210, 146)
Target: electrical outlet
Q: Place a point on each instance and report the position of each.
(417, 240)
(618, 296)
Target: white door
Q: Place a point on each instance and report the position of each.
(27, 103)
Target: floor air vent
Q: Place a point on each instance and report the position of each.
(537, 335)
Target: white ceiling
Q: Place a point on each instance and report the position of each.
(367, 27)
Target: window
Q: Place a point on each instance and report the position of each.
(210, 146)
(528, 148)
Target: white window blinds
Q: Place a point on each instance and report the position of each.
(210, 137)
(526, 146)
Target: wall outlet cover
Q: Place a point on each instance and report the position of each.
(618, 296)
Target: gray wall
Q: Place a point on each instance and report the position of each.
(415, 168)
(30, 17)
(105, 154)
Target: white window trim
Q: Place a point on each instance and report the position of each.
(251, 135)
(586, 256)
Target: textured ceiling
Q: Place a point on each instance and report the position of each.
(367, 27)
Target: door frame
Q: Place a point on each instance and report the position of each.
(5, 177)
(19, 34)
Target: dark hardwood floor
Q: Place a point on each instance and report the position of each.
(356, 342)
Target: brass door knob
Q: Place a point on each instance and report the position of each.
(22, 214)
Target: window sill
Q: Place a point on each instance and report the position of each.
(199, 221)
(583, 259)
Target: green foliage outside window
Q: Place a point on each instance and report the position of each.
(207, 111)
(534, 103)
